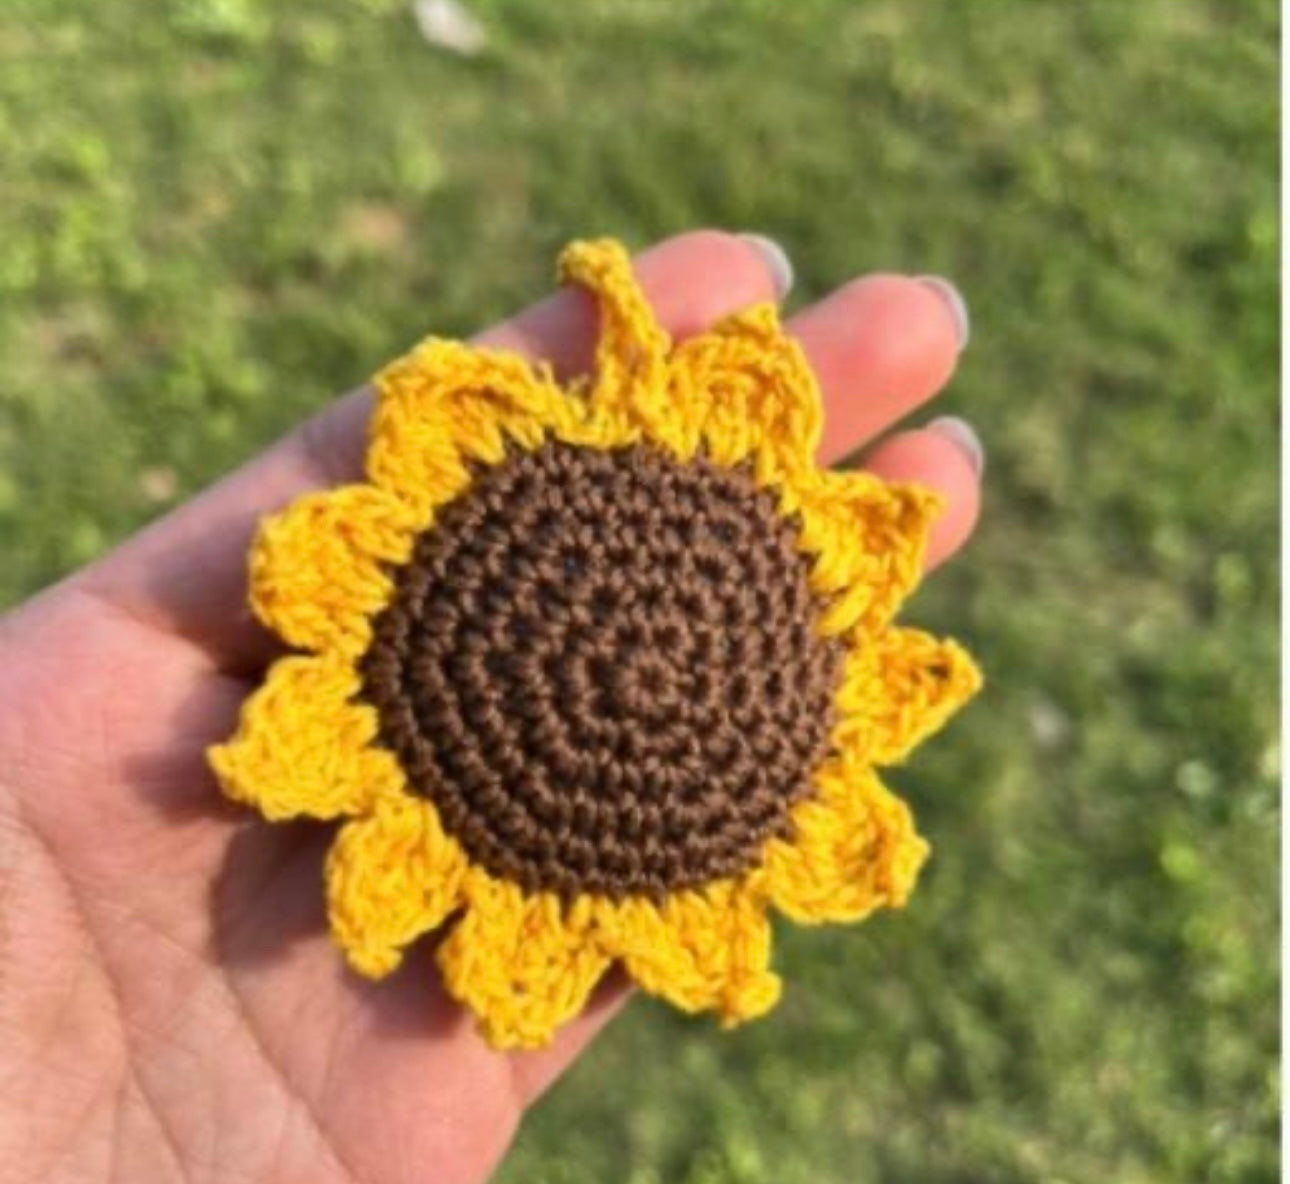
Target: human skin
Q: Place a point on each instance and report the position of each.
(171, 1008)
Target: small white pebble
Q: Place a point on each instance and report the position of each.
(447, 24)
(1049, 724)
(158, 484)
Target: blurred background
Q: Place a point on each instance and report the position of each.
(214, 214)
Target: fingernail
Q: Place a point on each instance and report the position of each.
(776, 260)
(963, 436)
(957, 305)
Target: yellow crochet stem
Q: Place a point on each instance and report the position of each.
(632, 347)
(358, 582)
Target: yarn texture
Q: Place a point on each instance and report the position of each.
(598, 673)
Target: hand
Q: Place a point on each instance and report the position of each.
(171, 1007)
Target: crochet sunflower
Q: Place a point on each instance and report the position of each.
(599, 673)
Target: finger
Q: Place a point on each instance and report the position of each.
(187, 572)
(945, 457)
(880, 346)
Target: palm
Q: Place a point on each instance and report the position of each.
(170, 1003)
(166, 961)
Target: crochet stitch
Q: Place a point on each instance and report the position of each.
(596, 674)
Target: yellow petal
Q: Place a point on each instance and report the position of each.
(391, 877)
(303, 747)
(899, 689)
(868, 539)
(318, 570)
(446, 405)
(746, 392)
(631, 346)
(524, 964)
(702, 949)
(854, 849)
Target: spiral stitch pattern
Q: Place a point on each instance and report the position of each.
(602, 669)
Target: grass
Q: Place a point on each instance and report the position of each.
(212, 218)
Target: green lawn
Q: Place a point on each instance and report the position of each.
(211, 219)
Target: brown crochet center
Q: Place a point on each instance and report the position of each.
(602, 669)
